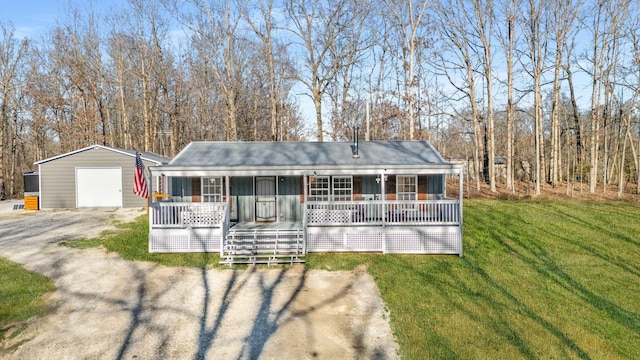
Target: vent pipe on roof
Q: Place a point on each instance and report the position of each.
(355, 143)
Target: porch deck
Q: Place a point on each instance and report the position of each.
(419, 227)
(279, 225)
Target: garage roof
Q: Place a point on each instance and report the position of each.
(155, 158)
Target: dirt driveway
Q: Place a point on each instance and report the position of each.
(109, 308)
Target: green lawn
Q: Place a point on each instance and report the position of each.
(538, 280)
(131, 243)
(21, 297)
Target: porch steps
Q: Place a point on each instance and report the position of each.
(263, 246)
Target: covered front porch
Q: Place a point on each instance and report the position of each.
(430, 223)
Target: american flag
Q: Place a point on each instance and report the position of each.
(139, 181)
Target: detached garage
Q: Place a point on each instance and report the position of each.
(95, 176)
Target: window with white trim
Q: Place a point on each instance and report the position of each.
(342, 188)
(406, 187)
(211, 189)
(319, 188)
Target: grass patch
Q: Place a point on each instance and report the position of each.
(21, 297)
(538, 280)
(86, 243)
(132, 243)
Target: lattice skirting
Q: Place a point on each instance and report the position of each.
(423, 243)
(347, 242)
(185, 240)
(433, 240)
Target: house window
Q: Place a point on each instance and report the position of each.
(212, 189)
(342, 188)
(319, 188)
(406, 187)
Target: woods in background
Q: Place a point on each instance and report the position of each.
(545, 91)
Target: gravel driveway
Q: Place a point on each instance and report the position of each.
(109, 308)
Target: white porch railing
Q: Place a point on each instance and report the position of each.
(183, 215)
(354, 213)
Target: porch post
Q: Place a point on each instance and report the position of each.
(149, 212)
(149, 189)
(304, 214)
(383, 198)
(383, 211)
(227, 191)
(460, 189)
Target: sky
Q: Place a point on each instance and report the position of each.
(33, 18)
(30, 17)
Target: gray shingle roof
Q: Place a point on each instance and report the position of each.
(301, 154)
(145, 155)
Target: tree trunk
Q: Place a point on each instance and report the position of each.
(510, 51)
(484, 28)
(555, 121)
(621, 171)
(317, 103)
(146, 120)
(4, 116)
(537, 108)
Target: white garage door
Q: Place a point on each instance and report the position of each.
(99, 187)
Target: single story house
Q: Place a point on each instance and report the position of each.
(274, 201)
(94, 176)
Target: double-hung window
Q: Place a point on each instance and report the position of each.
(212, 189)
(319, 188)
(342, 188)
(325, 188)
(407, 187)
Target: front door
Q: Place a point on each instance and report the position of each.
(265, 198)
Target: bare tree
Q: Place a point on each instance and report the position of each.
(264, 30)
(322, 58)
(409, 19)
(535, 31)
(452, 23)
(214, 27)
(352, 48)
(483, 24)
(578, 123)
(508, 42)
(634, 33)
(118, 45)
(564, 15)
(12, 54)
(606, 21)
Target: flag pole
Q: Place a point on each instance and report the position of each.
(150, 189)
(140, 183)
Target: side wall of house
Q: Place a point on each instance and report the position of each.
(58, 177)
(289, 206)
(242, 192)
